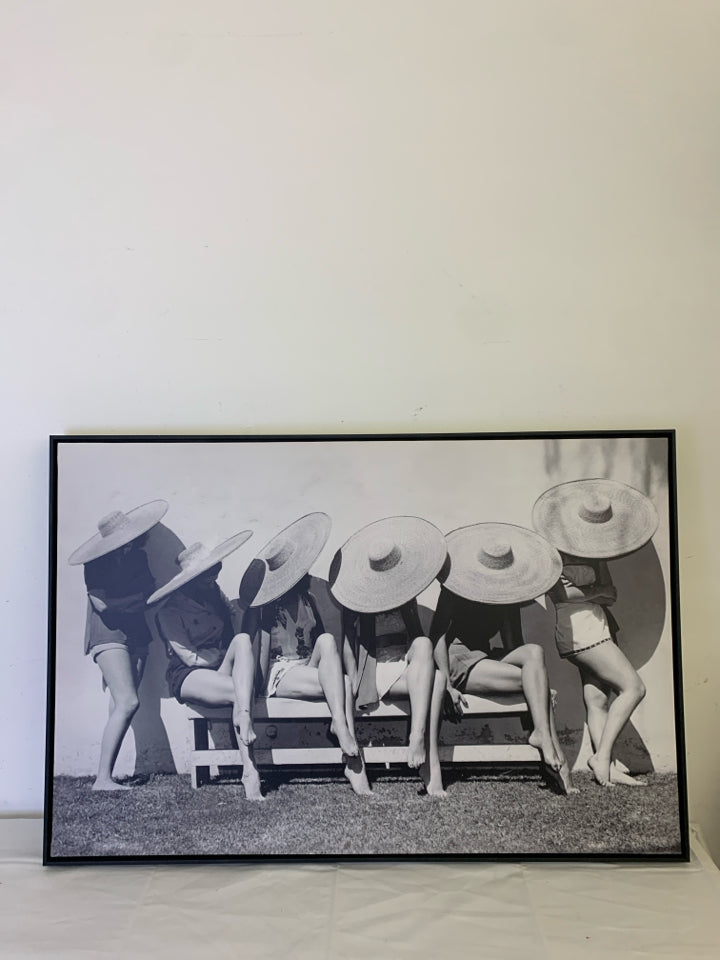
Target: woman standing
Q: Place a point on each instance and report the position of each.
(377, 576)
(211, 658)
(590, 522)
(493, 568)
(123, 564)
(299, 659)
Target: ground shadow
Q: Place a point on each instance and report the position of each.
(152, 745)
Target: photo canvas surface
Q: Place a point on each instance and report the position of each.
(396, 646)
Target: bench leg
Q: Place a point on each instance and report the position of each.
(199, 775)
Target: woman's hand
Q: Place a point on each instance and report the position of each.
(453, 704)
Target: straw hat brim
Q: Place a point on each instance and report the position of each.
(357, 586)
(207, 561)
(140, 520)
(306, 538)
(633, 522)
(534, 568)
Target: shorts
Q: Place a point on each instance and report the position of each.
(589, 646)
(462, 660)
(579, 627)
(391, 663)
(131, 634)
(278, 668)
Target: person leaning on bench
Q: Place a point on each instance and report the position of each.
(298, 658)
(212, 661)
(492, 569)
(376, 577)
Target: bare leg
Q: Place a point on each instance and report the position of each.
(323, 677)
(354, 766)
(120, 677)
(564, 772)
(597, 696)
(522, 670)
(431, 771)
(217, 689)
(417, 683)
(239, 664)
(609, 665)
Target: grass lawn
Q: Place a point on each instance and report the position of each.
(486, 813)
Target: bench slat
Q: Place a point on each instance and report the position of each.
(301, 756)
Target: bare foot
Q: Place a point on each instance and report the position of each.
(347, 742)
(436, 789)
(242, 722)
(601, 771)
(354, 771)
(619, 765)
(547, 749)
(617, 776)
(416, 751)
(102, 785)
(566, 776)
(251, 782)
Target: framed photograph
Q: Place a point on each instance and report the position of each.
(399, 646)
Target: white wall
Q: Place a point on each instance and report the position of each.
(239, 217)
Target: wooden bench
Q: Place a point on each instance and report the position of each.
(296, 733)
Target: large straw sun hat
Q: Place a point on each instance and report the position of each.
(595, 519)
(196, 559)
(285, 560)
(386, 564)
(117, 529)
(500, 563)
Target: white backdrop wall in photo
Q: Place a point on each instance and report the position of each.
(323, 216)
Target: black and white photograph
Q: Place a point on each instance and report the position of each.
(428, 646)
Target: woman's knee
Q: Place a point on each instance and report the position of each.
(637, 688)
(241, 641)
(325, 644)
(127, 704)
(595, 698)
(534, 653)
(421, 648)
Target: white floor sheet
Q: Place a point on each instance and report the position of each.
(384, 911)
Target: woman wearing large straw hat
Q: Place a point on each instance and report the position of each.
(123, 563)
(590, 522)
(211, 657)
(492, 569)
(377, 576)
(299, 659)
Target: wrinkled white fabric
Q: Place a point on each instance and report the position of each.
(384, 911)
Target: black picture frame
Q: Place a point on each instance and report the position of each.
(381, 475)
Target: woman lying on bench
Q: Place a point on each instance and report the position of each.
(298, 658)
(211, 659)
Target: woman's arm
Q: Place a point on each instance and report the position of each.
(172, 630)
(566, 592)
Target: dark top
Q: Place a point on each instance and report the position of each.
(197, 625)
(123, 580)
(475, 624)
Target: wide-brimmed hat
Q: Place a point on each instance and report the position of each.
(196, 559)
(117, 529)
(285, 560)
(499, 563)
(597, 519)
(387, 563)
